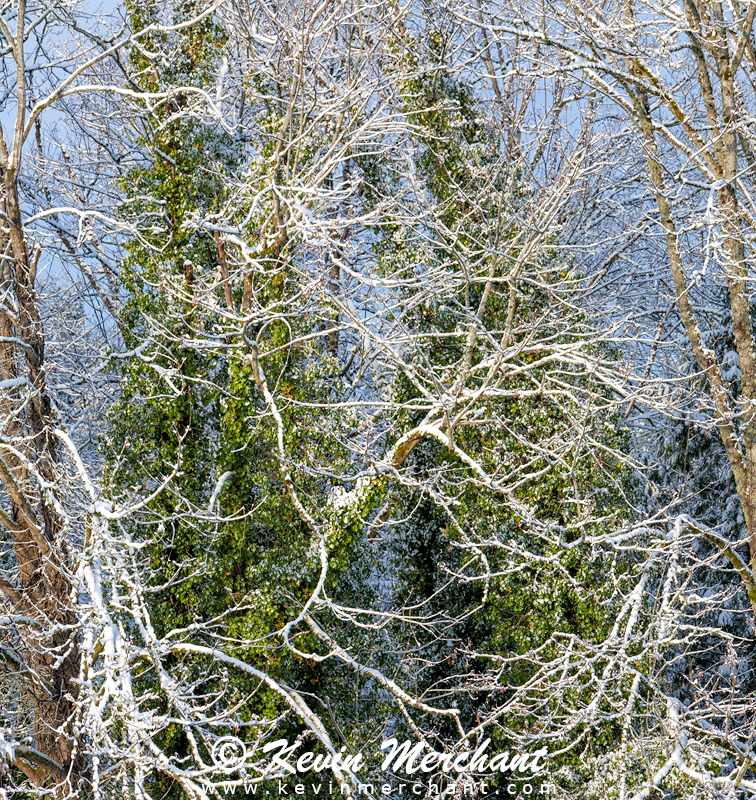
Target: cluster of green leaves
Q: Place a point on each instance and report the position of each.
(542, 585)
(200, 411)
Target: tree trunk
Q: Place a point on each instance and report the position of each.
(48, 663)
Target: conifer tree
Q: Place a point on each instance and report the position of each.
(501, 575)
(224, 544)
